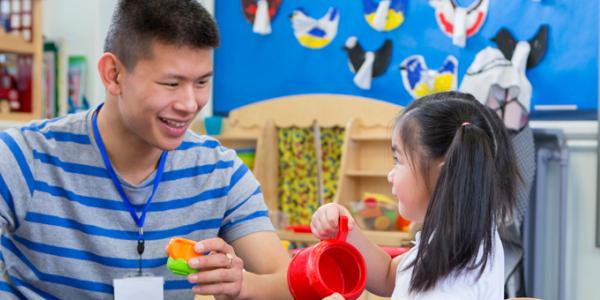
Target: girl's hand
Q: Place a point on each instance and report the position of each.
(335, 296)
(324, 224)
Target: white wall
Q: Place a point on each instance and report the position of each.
(80, 27)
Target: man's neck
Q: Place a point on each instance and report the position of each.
(131, 157)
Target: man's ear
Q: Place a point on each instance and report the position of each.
(110, 70)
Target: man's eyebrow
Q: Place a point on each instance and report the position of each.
(181, 77)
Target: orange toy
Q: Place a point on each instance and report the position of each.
(181, 250)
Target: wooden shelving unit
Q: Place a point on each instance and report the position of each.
(359, 173)
(366, 152)
(17, 44)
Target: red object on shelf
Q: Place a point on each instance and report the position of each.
(402, 223)
(395, 251)
(331, 266)
(299, 228)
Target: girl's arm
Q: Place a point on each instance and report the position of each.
(381, 269)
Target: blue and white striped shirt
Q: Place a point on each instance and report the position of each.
(66, 232)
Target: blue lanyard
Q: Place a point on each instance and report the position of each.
(139, 221)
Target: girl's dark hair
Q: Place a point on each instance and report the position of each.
(475, 189)
(137, 23)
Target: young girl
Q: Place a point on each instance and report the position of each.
(455, 173)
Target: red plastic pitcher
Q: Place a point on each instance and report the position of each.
(331, 266)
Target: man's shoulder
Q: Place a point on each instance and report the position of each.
(204, 144)
(69, 124)
(70, 127)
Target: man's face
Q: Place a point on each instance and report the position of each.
(163, 94)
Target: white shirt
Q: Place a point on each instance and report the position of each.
(463, 286)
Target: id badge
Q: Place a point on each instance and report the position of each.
(142, 287)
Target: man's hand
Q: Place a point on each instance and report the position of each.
(220, 270)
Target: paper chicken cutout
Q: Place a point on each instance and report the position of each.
(420, 81)
(260, 13)
(315, 34)
(538, 44)
(367, 64)
(457, 22)
(386, 15)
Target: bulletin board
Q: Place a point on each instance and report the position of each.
(251, 67)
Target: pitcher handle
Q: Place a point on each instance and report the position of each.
(343, 229)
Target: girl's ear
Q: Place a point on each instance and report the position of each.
(110, 70)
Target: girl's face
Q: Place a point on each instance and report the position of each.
(408, 184)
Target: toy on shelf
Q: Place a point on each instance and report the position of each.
(213, 124)
(180, 251)
(299, 228)
(247, 155)
(77, 100)
(16, 81)
(9, 90)
(379, 212)
(395, 251)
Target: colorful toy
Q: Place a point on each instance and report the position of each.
(180, 251)
(331, 266)
(379, 212)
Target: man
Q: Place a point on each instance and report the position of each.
(89, 202)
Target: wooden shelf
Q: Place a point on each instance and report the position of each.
(358, 173)
(364, 138)
(382, 238)
(15, 44)
(388, 238)
(229, 138)
(297, 236)
(4, 123)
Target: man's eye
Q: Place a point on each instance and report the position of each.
(169, 84)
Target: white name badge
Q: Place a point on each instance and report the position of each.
(147, 288)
